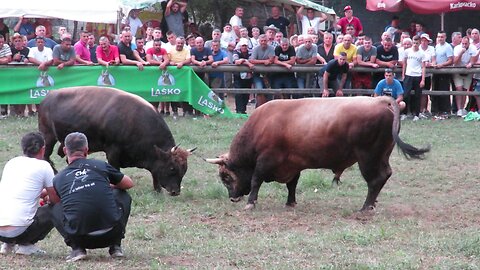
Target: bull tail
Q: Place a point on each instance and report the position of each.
(408, 150)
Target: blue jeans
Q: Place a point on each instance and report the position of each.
(286, 81)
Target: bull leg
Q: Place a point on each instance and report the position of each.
(49, 144)
(292, 187)
(60, 150)
(252, 198)
(336, 177)
(376, 176)
(113, 156)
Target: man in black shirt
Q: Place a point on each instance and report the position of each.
(94, 206)
(328, 76)
(278, 21)
(127, 55)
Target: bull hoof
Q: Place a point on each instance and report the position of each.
(336, 182)
(367, 208)
(249, 206)
(291, 204)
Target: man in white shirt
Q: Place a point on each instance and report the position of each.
(41, 55)
(134, 22)
(464, 55)
(26, 182)
(413, 71)
(310, 20)
(236, 20)
(429, 51)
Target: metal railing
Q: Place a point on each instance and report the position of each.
(316, 68)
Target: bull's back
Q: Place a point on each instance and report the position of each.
(105, 114)
(315, 128)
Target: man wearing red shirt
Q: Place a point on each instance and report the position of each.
(107, 54)
(349, 19)
(157, 55)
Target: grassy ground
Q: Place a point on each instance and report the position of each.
(427, 216)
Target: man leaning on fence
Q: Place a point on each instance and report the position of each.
(441, 82)
(242, 79)
(328, 76)
(465, 55)
(63, 53)
(263, 54)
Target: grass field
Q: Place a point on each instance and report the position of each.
(427, 216)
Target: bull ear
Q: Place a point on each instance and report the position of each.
(160, 152)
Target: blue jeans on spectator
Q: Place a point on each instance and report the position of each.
(241, 100)
(285, 80)
(259, 83)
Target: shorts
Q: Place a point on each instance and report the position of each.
(462, 80)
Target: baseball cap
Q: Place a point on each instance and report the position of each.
(242, 41)
(347, 8)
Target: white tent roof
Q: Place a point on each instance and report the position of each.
(100, 11)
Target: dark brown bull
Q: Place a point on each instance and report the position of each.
(284, 137)
(126, 127)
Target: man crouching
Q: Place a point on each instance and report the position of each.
(94, 206)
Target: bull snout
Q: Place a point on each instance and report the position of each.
(174, 193)
(235, 199)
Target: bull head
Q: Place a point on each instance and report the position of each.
(169, 168)
(237, 182)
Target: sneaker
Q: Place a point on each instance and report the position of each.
(415, 118)
(116, 251)
(28, 250)
(423, 116)
(464, 112)
(460, 113)
(403, 117)
(76, 255)
(7, 248)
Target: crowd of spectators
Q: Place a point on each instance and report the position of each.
(339, 49)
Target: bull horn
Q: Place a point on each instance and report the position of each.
(214, 160)
(191, 150)
(175, 148)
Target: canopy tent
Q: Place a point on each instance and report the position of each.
(424, 6)
(105, 11)
(441, 6)
(385, 5)
(296, 3)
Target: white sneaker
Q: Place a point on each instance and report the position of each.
(28, 250)
(77, 254)
(415, 118)
(7, 248)
(459, 112)
(423, 116)
(464, 112)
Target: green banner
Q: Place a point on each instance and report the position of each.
(28, 85)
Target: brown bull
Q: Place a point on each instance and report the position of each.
(284, 137)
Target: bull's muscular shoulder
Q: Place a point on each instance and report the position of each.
(284, 122)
